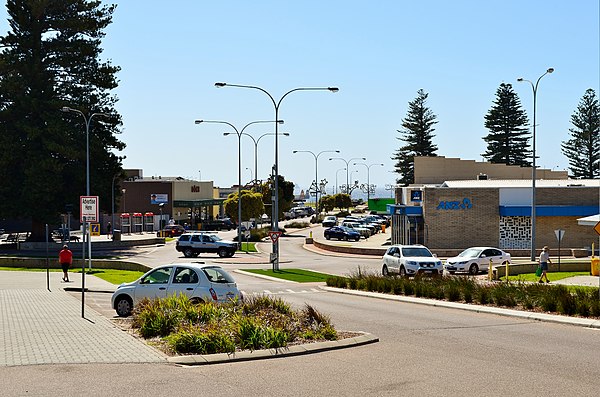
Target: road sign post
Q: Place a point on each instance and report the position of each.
(559, 235)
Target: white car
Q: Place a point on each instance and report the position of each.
(199, 282)
(410, 260)
(475, 259)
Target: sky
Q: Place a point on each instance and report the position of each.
(379, 54)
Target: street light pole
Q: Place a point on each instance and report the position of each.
(348, 169)
(533, 214)
(316, 156)
(276, 104)
(256, 146)
(239, 135)
(336, 178)
(368, 178)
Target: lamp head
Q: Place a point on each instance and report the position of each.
(65, 109)
(333, 89)
(337, 151)
(279, 121)
(550, 70)
(198, 121)
(219, 85)
(520, 79)
(226, 133)
(285, 133)
(295, 151)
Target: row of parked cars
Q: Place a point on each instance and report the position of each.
(410, 260)
(353, 227)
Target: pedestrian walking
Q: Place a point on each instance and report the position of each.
(65, 257)
(544, 260)
(108, 229)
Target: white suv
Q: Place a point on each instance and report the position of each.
(410, 260)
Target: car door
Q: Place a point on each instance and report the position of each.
(393, 259)
(154, 284)
(185, 281)
(485, 257)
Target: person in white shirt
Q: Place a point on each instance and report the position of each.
(544, 260)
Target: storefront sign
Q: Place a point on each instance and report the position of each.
(416, 195)
(465, 204)
(159, 198)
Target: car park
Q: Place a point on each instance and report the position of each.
(475, 259)
(195, 243)
(341, 233)
(330, 221)
(411, 260)
(199, 282)
(171, 231)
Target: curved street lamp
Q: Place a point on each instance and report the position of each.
(316, 156)
(239, 135)
(368, 178)
(533, 215)
(336, 178)
(276, 104)
(256, 146)
(347, 169)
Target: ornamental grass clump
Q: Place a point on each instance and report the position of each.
(259, 322)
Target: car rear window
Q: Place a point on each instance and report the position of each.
(217, 275)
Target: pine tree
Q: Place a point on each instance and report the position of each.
(583, 149)
(49, 59)
(417, 134)
(508, 140)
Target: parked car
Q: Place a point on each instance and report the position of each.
(193, 244)
(171, 231)
(364, 232)
(410, 260)
(341, 233)
(330, 221)
(199, 282)
(476, 259)
(218, 224)
(300, 212)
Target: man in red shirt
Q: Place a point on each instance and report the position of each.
(65, 257)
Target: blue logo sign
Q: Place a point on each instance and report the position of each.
(416, 195)
(455, 205)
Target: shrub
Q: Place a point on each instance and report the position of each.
(337, 281)
(195, 339)
(297, 225)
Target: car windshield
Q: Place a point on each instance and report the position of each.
(416, 251)
(470, 253)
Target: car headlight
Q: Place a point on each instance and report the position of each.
(411, 263)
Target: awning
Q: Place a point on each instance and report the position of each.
(197, 203)
(589, 220)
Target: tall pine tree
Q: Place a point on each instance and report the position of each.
(508, 140)
(417, 130)
(50, 59)
(583, 149)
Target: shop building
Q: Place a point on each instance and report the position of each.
(487, 211)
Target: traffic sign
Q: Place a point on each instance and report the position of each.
(559, 234)
(94, 229)
(597, 228)
(274, 236)
(88, 208)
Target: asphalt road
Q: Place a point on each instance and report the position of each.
(422, 351)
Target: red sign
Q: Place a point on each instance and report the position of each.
(274, 236)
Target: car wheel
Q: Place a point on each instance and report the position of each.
(451, 272)
(231, 253)
(195, 254)
(188, 253)
(402, 271)
(385, 271)
(222, 252)
(124, 306)
(327, 237)
(345, 238)
(196, 301)
(357, 239)
(474, 269)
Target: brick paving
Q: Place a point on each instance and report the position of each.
(38, 326)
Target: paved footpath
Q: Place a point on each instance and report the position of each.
(38, 326)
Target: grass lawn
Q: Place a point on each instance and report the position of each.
(552, 276)
(297, 275)
(248, 247)
(113, 276)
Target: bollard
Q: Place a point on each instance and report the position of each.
(490, 272)
(310, 234)
(506, 272)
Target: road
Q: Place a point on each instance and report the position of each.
(423, 351)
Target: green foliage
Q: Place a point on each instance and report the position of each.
(342, 200)
(201, 340)
(417, 135)
(50, 59)
(285, 194)
(259, 234)
(327, 203)
(508, 140)
(583, 149)
(297, 225)
(252, 205)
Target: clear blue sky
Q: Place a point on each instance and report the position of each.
(378, 53)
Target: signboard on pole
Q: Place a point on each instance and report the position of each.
(559, 234)
(597, 228)
(89, 208)
(274, 236)
(94, 229)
